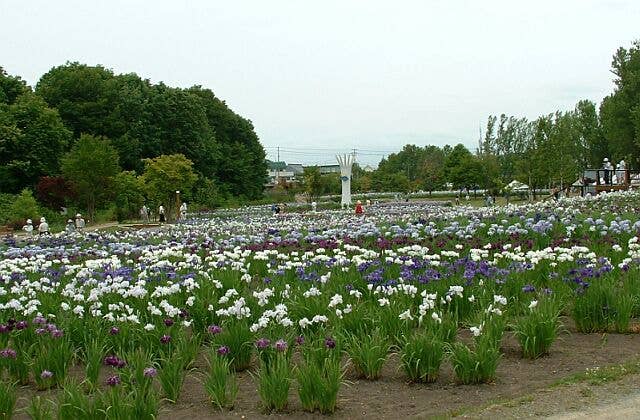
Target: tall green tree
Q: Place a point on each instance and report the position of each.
(11, 87)
(128, 195)
(166, 174)
(593, 145)
(312, 181)
(32, 141)
(91, 165)
(620, 111)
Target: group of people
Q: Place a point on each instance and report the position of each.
(466, 197)
(277, 208)
(145, 213)
(609, 171)
(43, 228)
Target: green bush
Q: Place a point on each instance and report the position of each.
(128, 195)
(24, 207)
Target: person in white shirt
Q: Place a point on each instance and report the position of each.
(28, 227)
(144, 214)
(183, 211)
(71, 227)
(80, 224)
(43, 227)
(161, 213)
(620, 172)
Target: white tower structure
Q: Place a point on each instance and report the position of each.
(346, 163)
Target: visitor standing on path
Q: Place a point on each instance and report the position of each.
(28, 227)
(144, 213)
(183, 211)
(606, 165)
(80, 223)
(161, 213)
(43, 227)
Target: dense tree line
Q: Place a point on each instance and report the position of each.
(137, 119)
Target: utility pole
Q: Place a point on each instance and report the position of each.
(278, 168)
(353, 152)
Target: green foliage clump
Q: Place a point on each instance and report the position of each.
(537, 330)
(24, 207)
(368, 352)
(90, 166)
(421, 357)
(129, 195)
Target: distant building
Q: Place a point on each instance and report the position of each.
(296, 168)
(329, 169)
(368, 168)
(282, 172)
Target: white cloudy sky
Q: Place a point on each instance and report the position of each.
(327, 76)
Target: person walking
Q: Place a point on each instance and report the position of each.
(161, 213)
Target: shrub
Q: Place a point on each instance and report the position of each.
(24, 207)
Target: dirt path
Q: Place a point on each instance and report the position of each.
(612, 400)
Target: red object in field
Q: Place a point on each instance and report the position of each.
(359, 209)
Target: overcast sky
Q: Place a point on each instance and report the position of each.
(322, 77)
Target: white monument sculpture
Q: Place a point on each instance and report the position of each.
(345, 162)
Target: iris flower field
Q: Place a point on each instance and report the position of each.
(415, 308)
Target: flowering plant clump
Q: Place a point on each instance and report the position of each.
(320, 376)
(421, 357)
(220, 382)
(274, 378)
(237, 341)
(8, 398)
(537, 330)
(367, 352)
(478, 363)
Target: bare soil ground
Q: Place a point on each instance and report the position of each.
(522, 387)
(391, 397)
